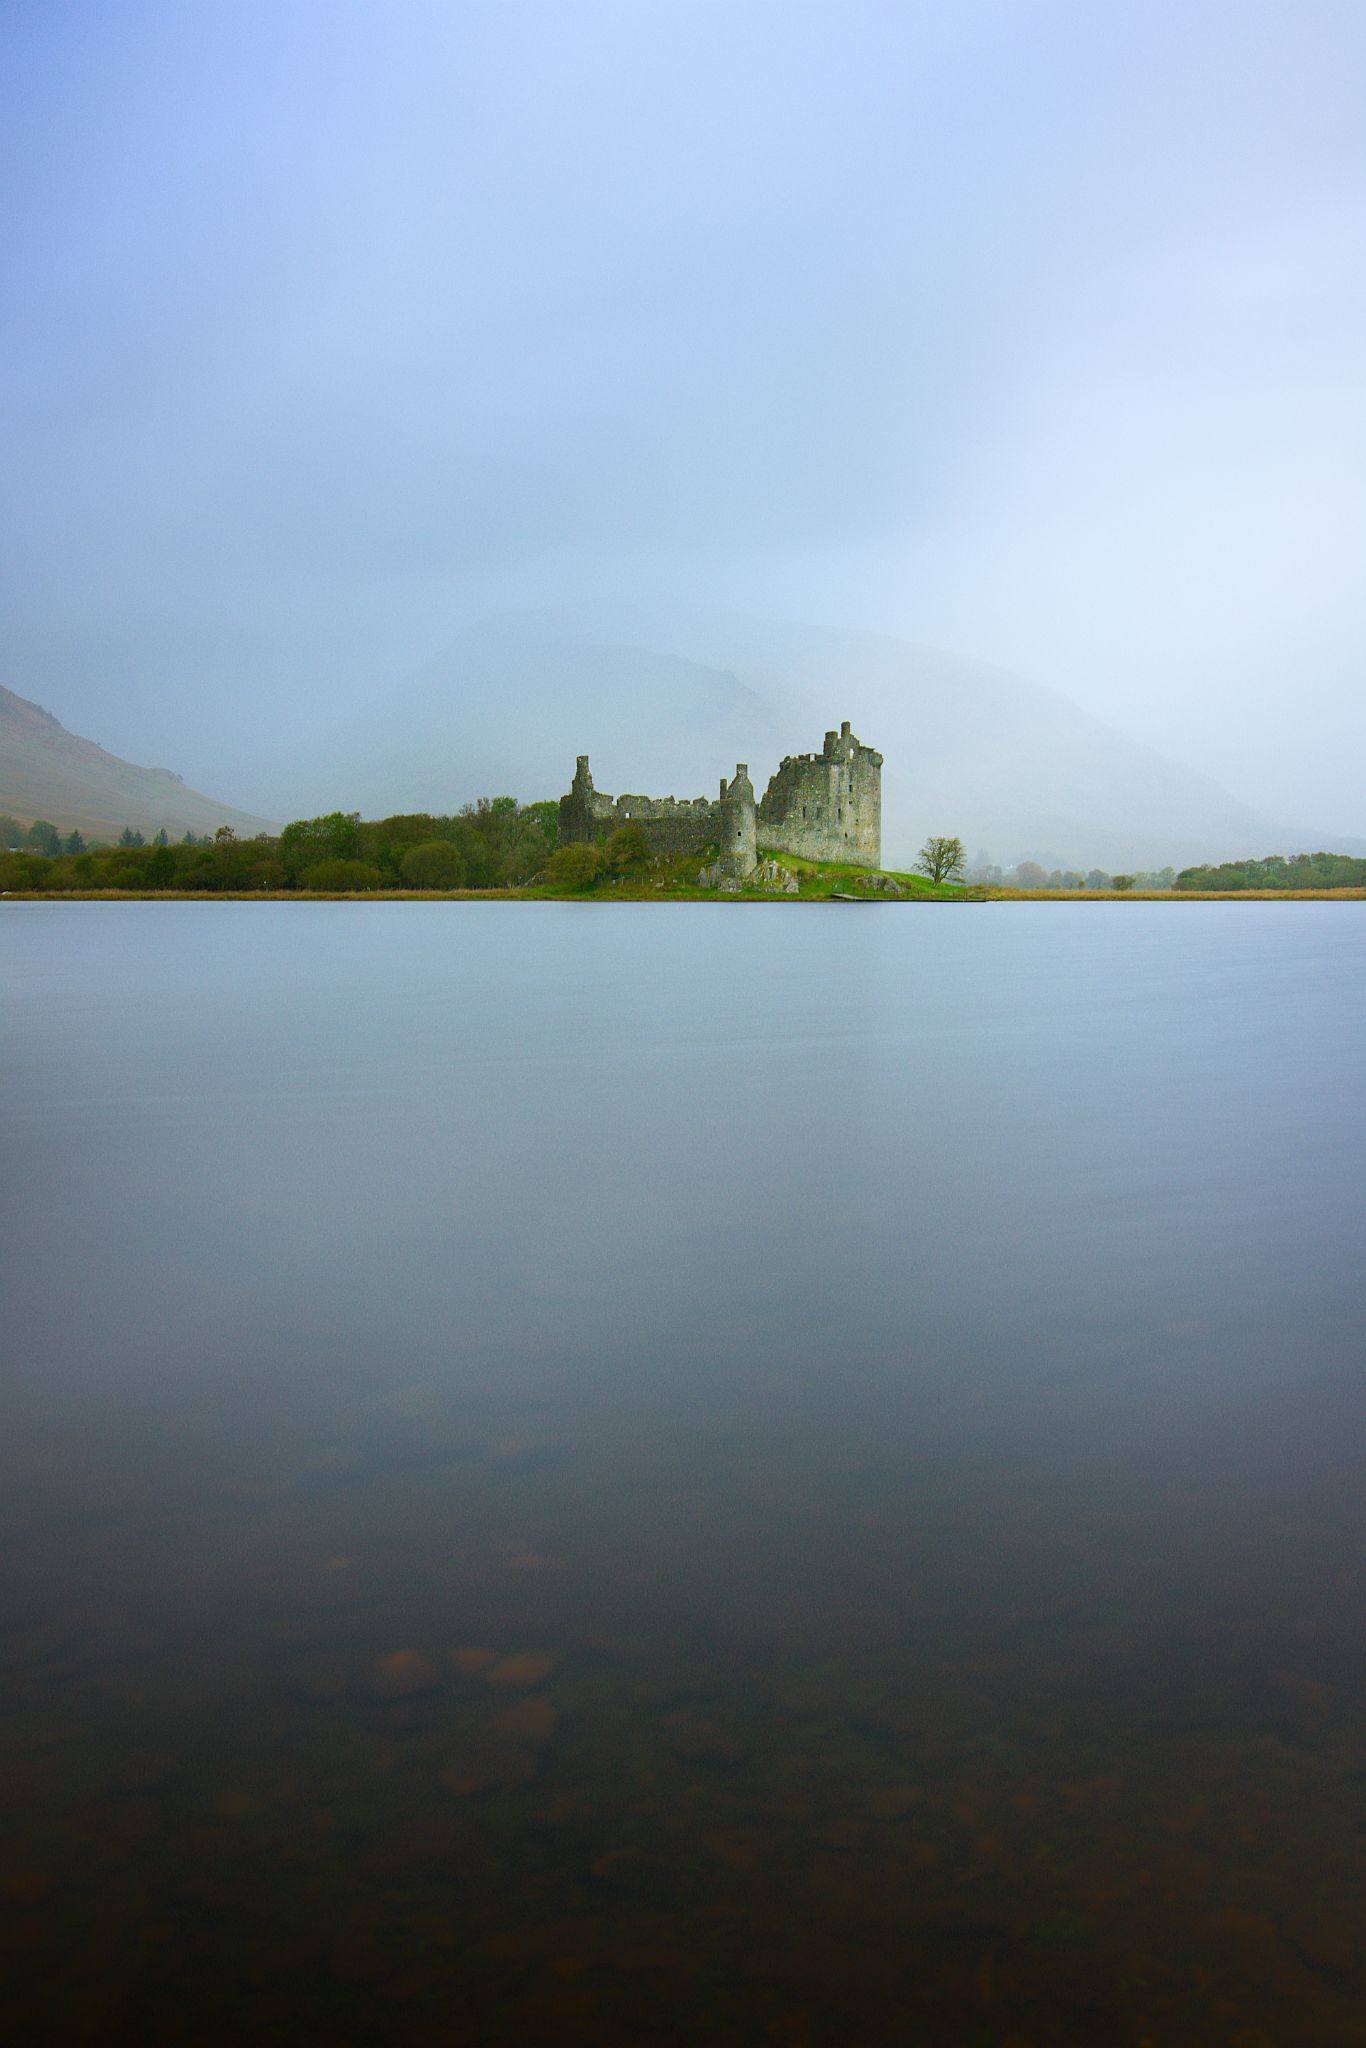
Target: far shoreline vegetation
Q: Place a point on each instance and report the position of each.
(498, 848)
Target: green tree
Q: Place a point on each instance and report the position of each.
(159, 872)
(941, 859)
(407, 828)
(342, 877)
(310, 840)
(628, 850)
(122, 874)
(433, 864)
(505, 844)
(44, 838)
(574, 867)
(16, 872)
(11, 833)
(544, 817)
(128, 837)
(197, 870)
(1122, 882)
(481, 860)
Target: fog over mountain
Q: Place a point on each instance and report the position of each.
(665, 700)
(1034, 333)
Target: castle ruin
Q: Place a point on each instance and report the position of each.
(825, 806)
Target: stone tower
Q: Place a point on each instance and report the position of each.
(579, 809)
(827, 806)
(737, 834)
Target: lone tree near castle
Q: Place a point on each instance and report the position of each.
(941, 859)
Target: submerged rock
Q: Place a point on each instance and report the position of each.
(402, 1674)
(530, 1720)
(524, 1670)
(470, 1662)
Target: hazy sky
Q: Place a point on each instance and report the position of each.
(1035, 331)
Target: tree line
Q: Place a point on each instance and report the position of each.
(494, 843)
(1279, 871)
(499, 843)
(44, 838)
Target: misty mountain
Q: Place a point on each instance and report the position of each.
(666, 701)
(48, 772)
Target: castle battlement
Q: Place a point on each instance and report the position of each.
(825, 806)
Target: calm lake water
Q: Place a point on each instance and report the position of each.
(683, 1474)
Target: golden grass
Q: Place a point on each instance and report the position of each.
(1169, 895)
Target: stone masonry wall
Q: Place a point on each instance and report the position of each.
(672, 825)
(826, 806)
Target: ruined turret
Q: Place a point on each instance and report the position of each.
(578, 809)
(737, 835)
(827, 806)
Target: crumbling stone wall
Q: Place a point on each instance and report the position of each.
(672, 825)
(827, 806)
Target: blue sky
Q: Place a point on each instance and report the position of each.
(1037, 332)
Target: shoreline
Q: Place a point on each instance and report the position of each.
(968, 895)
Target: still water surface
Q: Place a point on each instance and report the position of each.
(683, 1474)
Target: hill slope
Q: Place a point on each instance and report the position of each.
(48, 772)
(667, 702)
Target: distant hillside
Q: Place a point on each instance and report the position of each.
(667, 702)
(48, 772)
